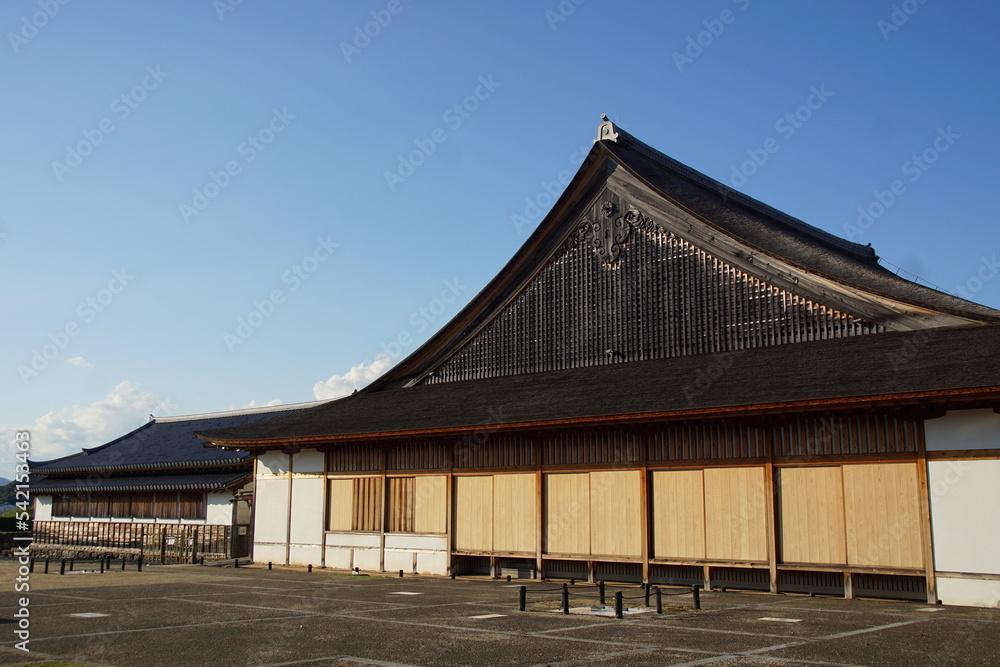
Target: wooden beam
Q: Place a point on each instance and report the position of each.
(969, 575)
(963, 454)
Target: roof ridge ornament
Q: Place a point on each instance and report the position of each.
(606, 130)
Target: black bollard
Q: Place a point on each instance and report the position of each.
(572, 582)
(31, 565)
(508, 578)
(453, 576)
(62, 566)
(522, 598)
(46, 566)
(236, 562)
(138, 565)
(565, 599)
(201, 561)
(310, 568)
(102, 566)
(123, 563)
(645, 595)
(619, 612)
(696, 592)
(71, 564)
(600, 590)
(400, 574)
(659, 601)
(269, 565)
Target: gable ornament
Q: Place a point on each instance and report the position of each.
(609, 233)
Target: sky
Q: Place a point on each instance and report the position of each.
(212, 205)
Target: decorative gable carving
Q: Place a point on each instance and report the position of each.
(610, 232)
(664, 298)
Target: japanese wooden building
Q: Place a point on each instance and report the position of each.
(157, 491)
(669, 382)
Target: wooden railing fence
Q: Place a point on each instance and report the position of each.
(155, 542)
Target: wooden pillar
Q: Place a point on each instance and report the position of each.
(539, 510)
(288, 517)
(645, 499)
(253, 510)
(232, 518)
(383, 513)
(326, 511)
(772, 494)
(449, 509)
(926, 534)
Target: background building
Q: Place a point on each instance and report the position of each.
(158, 492)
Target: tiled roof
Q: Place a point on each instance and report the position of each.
(896, 364)
(206, 482)
(779, 233)
(165, 443)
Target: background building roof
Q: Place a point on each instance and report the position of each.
(165, 443)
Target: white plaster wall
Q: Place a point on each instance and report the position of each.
(43, 508)
(353, 540)
(963, 429)
(398, 560)
(338, 558)
(309, 460)
(307, 509)
(219, 511)
(965, 515)
(272, 463)
(268, 552)
(416, 542)
(271, 517)
(305, 554)
(367, 559)
(968, 592)
(432, 562)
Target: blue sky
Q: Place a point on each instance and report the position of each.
(171, 169)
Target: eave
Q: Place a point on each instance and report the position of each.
(929, 403)
(144, 467)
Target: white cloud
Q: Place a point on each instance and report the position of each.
(79, 362)
(66, 431)
(356, 378)
(257, 404)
